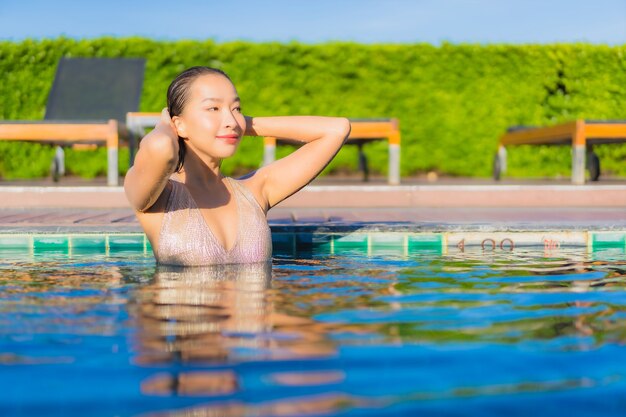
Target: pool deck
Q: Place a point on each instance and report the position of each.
(459, 204)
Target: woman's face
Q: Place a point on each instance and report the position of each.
(212, 122)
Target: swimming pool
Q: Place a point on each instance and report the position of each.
(375, 325)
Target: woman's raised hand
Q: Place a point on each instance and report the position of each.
(166, 127)
(155, 161)
(162, 142)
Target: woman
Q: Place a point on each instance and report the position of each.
(191, 213)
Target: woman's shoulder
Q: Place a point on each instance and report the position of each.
(253, 184)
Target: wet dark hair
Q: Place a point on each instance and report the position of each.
(178, 95)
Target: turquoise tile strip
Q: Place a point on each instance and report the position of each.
(509, 241)
(16, 242)
(607, 239)
(335, 242)
(89, 242)
(126, 241)
(76, 242)
(51, 242)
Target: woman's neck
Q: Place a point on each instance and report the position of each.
(200, 171)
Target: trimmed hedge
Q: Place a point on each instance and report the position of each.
(453, 101)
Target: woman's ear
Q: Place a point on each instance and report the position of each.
(180, 127)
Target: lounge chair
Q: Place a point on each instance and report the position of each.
(87, 104)
(363, 131)
(581, 134)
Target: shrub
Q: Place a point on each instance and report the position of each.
(453, 101)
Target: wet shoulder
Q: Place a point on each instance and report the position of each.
(249, 186)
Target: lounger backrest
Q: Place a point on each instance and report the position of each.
(95, 89)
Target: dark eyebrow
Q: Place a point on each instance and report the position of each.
(219, 100)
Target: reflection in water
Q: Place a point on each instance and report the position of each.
(314, 405)
(429, 334)
(56, 298)
(201, 314)
(217, 315)
(191, 383)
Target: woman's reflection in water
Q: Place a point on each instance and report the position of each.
(216, 315)
(193, 314)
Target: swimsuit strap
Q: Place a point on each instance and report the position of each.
(245, 191)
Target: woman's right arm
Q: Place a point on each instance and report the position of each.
(155, 161)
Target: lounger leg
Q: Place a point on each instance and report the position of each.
(112, 143)
(499, 164)
(269, 150)
(112, 170)
(58, 164)
(132, 147)
(269, 154)
(593, 164)
(578, 164)
(394, 164)
(363, 166)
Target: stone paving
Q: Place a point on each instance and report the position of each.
(417, 205)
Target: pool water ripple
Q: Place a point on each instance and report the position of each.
(347, 334)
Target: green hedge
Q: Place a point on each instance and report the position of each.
(453, 101)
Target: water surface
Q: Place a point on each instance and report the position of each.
(473, 333)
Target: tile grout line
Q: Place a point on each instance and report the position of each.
(405, 244)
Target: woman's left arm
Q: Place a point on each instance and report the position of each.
(322, 137)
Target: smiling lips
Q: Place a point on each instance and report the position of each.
(230, 139)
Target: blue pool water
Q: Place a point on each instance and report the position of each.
(474, 333)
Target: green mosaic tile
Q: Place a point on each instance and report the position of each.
(362, 250)
(124, 242)
(308, 241)
(350, 240)
(396, 240)
(303, 240)
(427, 250)
(425, 241)
(15, 242)
(388, 250)
(283, 241)
(89, 242)
(52, 242)
(322, 241)
(608, 239)
(607, 254)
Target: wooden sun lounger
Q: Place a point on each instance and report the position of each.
(69, 132)
(363, 131)
(581, 134)
(86, 106)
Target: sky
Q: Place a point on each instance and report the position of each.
(318, 21)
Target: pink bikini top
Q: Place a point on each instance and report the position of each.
(187, 240)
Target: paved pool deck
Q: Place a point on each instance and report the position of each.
(416, 205)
